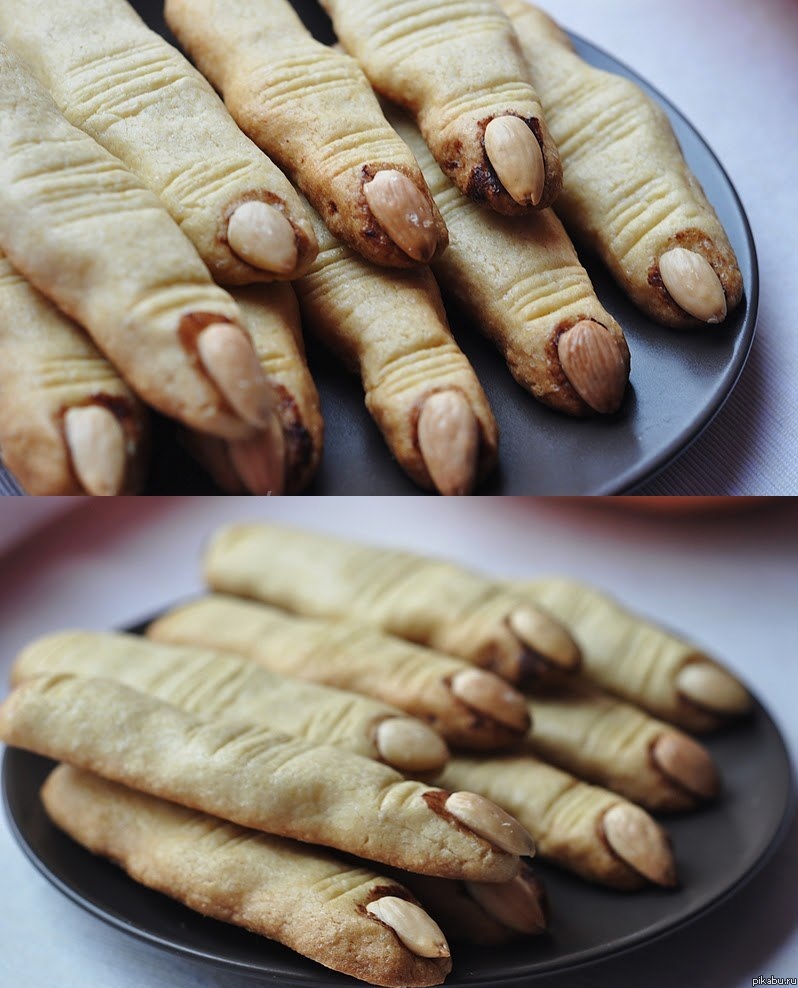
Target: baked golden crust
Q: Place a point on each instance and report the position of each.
(616, 745)
(391, 328)
(253, 776)
(455, 66)
(214, 685)
(48, 365)
(345, 654)
(564, 815)
(295, 894)
(520, 281)
(82, 229)
(427, 601)
(136, 95)
(633, 657)
(285, 91)
(630, 199)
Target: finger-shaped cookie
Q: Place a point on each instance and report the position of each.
(520, 281)
(263, 779)
(428, 601)
(138, 96)
(220, 686)
(346, 918)
(628, 193)
(271, 315)
(457, 67)
(618, 746)
(391, 328)
(583, 828)
(641, 661)
(68, 423)
(484, 913)
(469, 707)
(90, 236)
(287, 91)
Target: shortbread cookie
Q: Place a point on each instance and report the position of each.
(427, 601)
(271, 314)
(348, 919)
(618, 746)
(390, 328)
(641, 661)
(583, 828)
(220, 686)
(521, 283)
(68, 423)
(313, 112)
(456, 66)
(628, 193)
(469, 707)
(136, 95)
(263, 779)
(484, 913)
(85, 232)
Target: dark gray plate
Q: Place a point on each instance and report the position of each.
(717, 850)
(679, 380)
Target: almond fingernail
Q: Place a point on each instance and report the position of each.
(410, 746)
(448, 438)
(96, 444)
(263, 237)
(519, 904)
(712, 688)
(517, 159)
(640, 842)
(229, 358)
(547, 639)
(403, 212)
(492, 696)
(490, 821)
(260, 461)
(687, 763)
(594, 364)
(416, 929)
(693, 285)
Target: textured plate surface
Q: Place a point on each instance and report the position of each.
(679, 380)
(717, 849)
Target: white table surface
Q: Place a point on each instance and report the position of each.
(730, 66)
(731, 580)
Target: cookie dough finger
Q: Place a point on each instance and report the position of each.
(484, 913)
(616, 745)
(301, 896)
(271, 314)
(68, 423)
(592, 832)
(427, 601)
(628, 193)
(458, 69)
(391, 328)
(136, 95)
(85, 232)
(286, 91)
(469, 707)
(263, 779)
(220, 686)
(640, 661)
(520, 281)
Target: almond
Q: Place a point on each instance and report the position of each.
(517, 159)
(404, 213)
(595, 365)
(693, 285)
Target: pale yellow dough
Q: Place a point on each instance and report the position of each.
(247, 774)
(298, 895)
(628, 193)
(48, 365)
(135, 94)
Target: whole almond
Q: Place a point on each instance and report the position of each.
(693, 285)
(517, 159)
(595, 364)
(404, 213)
